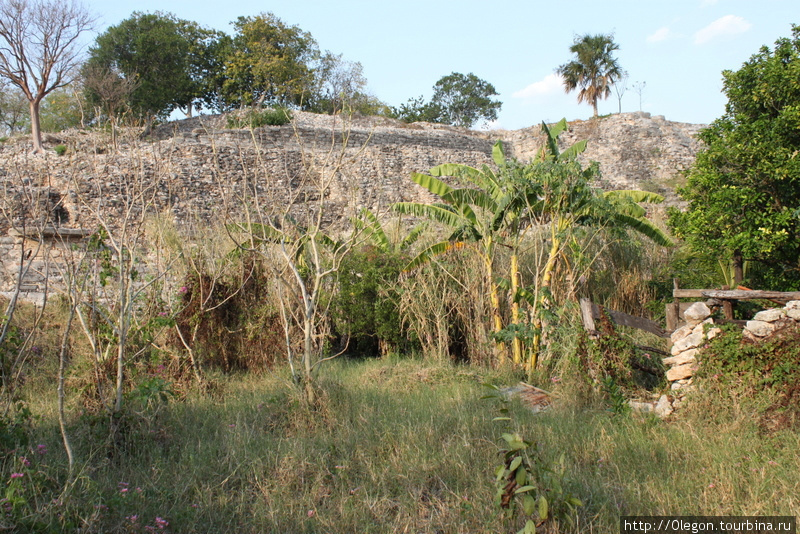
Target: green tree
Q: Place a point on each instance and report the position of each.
(743, 191)
(594, 70)
(366, 305)
(417, 110)
(14, 116)
(165, 60)
(465, 100)
(458, 100)
(62, 109)
(269, 62)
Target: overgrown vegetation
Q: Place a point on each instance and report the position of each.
(272, 372)
(252, 118)
(398, 444)
(750, 162)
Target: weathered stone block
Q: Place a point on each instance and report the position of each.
(769, 316)
(700, 328)
(793, 313)
(760, 328)
(681, 333)
(663, 407)
(696, 313)
(681, 371)
(713, 332)
(687, 356)
(689, 342)
(643, 407)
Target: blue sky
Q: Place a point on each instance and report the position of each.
(677, 49)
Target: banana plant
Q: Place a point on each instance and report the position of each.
(478, 214)
(373, 231)
(497, 207)
(568, 200)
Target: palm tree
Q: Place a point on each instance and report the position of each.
(594, 71)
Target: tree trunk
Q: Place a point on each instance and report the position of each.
(547, 280)
(36, 130)
(516, 347)
(494, 299)
(62, 365)
(738, 268)
(308, 353)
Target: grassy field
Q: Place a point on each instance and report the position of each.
(396, 446)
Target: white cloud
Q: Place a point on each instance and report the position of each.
(661, 34)
(727, 25)
(551, 84)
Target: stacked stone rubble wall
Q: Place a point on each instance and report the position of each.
(198, 172)
(689, 340)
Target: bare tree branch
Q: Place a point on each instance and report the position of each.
(39, 49)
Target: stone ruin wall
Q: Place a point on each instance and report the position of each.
(635, 150)
(197, 171)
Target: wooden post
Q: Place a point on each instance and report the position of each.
(587, 315)
(738, 268)
(673, 309)
(727, 306)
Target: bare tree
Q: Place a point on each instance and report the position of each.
(638, 87)
(621, 87)
(39, 49)
(112, 91)
(291, 227)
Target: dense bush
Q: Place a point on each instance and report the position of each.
(254, 118)
(742, 368)
(366, 307)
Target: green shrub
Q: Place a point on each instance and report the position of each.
(253, 118)
(766, 373)
(3, 139)
(366, 305)
(60, 149)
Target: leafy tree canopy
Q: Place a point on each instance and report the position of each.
(417, 110)
(458, 100)
(169, 61)
(744, 188)
(269, 62)
(465, 100)
(14, 117)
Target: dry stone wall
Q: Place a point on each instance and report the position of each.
(635, 150)
(196, 171)
(689, 341)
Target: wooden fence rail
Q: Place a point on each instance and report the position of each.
(735, 294)
(591, 312)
